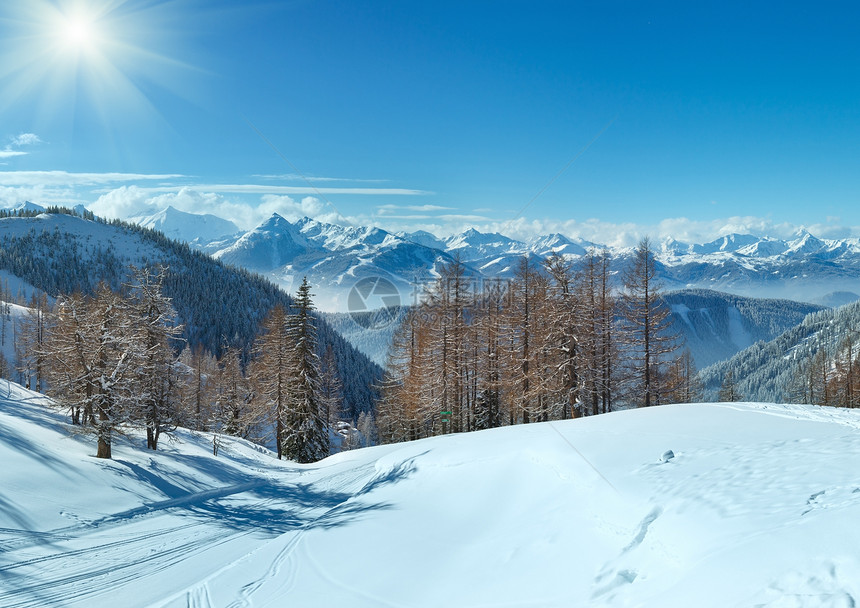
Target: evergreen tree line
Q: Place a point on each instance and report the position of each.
(557, 341)
(716, 324)
(813, 362)
(117, 360)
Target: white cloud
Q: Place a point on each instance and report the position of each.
(131, 201)
(11, 196)
(123, 202)
(26, 139)
(289, 208)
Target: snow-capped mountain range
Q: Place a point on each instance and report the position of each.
(335, 257)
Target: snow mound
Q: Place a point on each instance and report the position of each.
(574, 513)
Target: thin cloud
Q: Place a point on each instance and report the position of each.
(388, 208)
(65, 178)
(317, 178)
(288, 190)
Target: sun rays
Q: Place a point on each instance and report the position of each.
(101, 58)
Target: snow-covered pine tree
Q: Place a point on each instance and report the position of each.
(520, 327)
(488, 357)
(233, 394)
(684, 379)
(606, 334)
(306, 433)
(198, 393)
(408, 407)
(367, 429)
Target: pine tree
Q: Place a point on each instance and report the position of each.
(408, 408)
(564, 327)
(488, 406)
(520, 328)
(233, 395)
(306, 433)
(684, 380)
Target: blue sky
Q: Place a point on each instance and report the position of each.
(680, 119)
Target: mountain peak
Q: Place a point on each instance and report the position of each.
(188, 227)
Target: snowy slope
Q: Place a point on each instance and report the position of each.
(757, 506)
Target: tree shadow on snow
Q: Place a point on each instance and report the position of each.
(262, 504)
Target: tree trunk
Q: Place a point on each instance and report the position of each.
(104, 433)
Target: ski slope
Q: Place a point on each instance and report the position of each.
(756, 505)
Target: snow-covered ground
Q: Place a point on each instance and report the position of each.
(756, 505)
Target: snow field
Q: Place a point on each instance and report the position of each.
(757, 507)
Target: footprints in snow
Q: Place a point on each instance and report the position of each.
(824, 584)
(614, 576)
(832, 498)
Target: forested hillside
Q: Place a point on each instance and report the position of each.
(718, 325)
(62, 253)
(813, 362)
(370, 332)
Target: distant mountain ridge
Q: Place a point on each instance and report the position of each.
(334, 257)
(188, 227)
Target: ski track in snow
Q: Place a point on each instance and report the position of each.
(281, 572)
(284, 557)
(98, 571)
(139, 549)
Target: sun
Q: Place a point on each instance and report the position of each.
(78, 32)
(109, 63)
